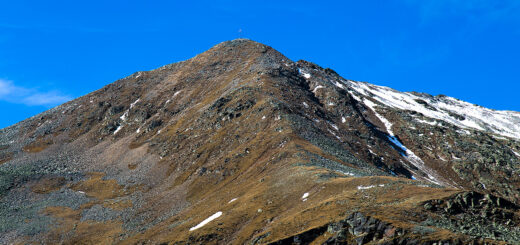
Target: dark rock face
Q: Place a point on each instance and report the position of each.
(287, 152)
(478, 215)
(356, 228)
(360, 229)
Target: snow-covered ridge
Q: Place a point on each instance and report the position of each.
(447, 109)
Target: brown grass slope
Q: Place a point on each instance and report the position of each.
(145, 159)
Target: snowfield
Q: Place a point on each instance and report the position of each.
(444, 108)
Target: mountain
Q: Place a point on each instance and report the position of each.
(241, 145)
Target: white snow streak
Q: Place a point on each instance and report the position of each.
(361, 187)
(206, 221)
(355, 97)
(334, 126)
(124, 116)
(516, 153)
(232, 200)
(365, 187)
(305, 195)
(118, 129)
(426, 122)
(387, 123)
(410, 156)
(339, 85)
(316, 88)
(135, 102)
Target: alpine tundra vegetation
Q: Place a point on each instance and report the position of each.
(241, 145)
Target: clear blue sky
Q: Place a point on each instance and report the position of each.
(53, 51)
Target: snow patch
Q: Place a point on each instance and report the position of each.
(516, 153)
(355, 97)
(343, 120)
(135, 102)
(305, 195)
(305, 105)
(347, 173)
(339, 85)
(426, 122)
(124, 116)
(232, 200)
(316, 88)
(206, 221)
(306, 75)
(365, 187)
(337, 137)
(387, 123)
(118, 129)
(334, 126)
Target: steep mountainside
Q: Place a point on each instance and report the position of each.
(242, 145)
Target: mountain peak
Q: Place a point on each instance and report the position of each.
(243, 47)
(241, 44)
(242, 145)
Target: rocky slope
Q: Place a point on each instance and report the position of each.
(242, 145)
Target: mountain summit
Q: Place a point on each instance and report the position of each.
(241, 145)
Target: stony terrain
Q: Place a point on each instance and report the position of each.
(240, 145)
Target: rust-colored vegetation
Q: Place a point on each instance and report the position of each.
(48, 184)
(38, 145)
(101, 189)
(6, 157)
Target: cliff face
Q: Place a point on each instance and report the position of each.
(242, 145)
